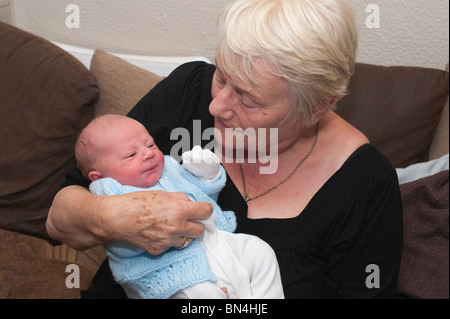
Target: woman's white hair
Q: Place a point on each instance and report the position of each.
(312, 44)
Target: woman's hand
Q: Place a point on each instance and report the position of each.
(154, 221)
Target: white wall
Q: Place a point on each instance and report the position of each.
(412, 32)
(5, 11)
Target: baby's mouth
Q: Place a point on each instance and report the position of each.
(150, 168)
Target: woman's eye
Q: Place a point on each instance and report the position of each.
(248, 103)
(220, 80)
(245, 103)
(151, 145)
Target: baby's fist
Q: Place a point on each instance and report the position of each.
(202, 163)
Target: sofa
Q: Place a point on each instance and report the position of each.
(47, 95)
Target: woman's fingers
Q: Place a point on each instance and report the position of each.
(163, 220)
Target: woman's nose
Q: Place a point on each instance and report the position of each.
(224, 103)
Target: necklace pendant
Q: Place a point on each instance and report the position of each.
(248, 199)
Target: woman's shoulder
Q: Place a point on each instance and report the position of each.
(184, 79)
(191, 72)
(354, 157)
(340, 140)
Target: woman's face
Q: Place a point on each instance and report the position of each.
(238, 104)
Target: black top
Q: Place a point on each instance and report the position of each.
(345, 242)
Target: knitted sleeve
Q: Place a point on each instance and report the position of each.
(106, 187)
(109, 187)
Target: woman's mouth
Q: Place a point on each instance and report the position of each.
(220, 125)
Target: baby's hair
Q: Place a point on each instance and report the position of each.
(88, 145)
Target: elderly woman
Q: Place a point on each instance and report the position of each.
(331, 211)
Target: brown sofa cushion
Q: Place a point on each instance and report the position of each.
(27, 273)
(46, 97)
(424, 270)
(440, 145)
(398, 108)
(121, 83)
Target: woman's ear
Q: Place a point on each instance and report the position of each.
(325, 107)
(95, 175)
(333, 102)
(320, 113)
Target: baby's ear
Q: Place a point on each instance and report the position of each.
(95, 175)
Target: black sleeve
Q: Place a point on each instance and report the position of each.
(74, 177)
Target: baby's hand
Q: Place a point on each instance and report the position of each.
(202, 163)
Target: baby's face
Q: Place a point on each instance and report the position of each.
(130, 155)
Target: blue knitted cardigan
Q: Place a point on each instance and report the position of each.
(158, 277)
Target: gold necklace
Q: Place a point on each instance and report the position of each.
(248, 198)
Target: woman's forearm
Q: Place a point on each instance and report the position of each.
(152, 220)
(74, 218)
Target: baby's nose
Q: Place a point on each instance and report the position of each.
(148, 154)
